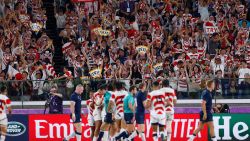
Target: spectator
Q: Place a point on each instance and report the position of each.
(214, 45)
(55, 101)
(38, 77)
(26, 86)
(242, 71)
(60, 19)
(129, 39)
(127, 8)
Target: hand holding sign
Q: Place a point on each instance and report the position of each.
(96, 73)
(211, 29)
(101, 32)
(142, 49)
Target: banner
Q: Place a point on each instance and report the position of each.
(228, 127)
(211, 29)
(17, 128)
(142, 49)
(48, 127)
(232, 127)
(101, 32)
(96, 73)
(158, 67)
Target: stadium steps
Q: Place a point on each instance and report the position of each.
(51, 30)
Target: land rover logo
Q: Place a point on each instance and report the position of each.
(15, 129)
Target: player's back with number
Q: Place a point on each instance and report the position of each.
(157, 98)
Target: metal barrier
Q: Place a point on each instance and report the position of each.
(39, 90)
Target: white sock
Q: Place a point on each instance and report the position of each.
(78, 137)
(70, 136)
(143, 138)
(105, 135)
(2, 138)
(112, 138)
(192, 138)
(95, 138)
(169, 136)
(133, 135)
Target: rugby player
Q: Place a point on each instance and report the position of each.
(91, 107)
(97, 113)
(5, 103)
(156, 101)
(118, 98)
(108, 125)
(129, 111)
(171, 101)
(75, 109)
(141, 98)
(206, 116)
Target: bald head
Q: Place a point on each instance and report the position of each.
(79, 89)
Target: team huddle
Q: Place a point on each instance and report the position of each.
(113, 111)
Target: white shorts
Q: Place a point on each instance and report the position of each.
(103, 114)
(97, 113)
(158, 119)
(169, 116)
(4, 121)
(119, 116)
(91, 121)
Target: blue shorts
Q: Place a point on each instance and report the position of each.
(129, 118)
(139, 117)
(209, 117)
(108, 118)
(78, 118)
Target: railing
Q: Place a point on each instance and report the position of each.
(39, 90)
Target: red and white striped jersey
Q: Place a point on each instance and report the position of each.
(182, 84)
(186, 44)
(66, 47)
(201, 50)
(171, 96)
(117, 97)
(50, 70)
(4, 103)
(192, 56)
(68, 74)
(157, 98)
(90, 109)
(98, 99)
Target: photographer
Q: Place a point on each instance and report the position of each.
(55, 101)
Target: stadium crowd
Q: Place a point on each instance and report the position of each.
(186, 41)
